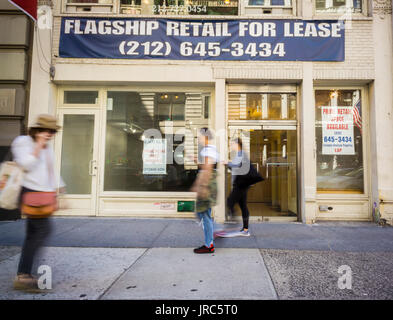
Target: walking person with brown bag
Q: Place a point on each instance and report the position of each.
(38, 197)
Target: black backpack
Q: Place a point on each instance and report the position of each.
(246, 180)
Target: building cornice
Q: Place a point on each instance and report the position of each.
(382, 8)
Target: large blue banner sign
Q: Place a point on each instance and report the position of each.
(259, 40)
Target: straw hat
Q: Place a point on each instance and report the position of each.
(46, 121)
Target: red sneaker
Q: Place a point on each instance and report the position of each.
(204, 249)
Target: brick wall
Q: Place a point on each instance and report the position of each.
(359, 55)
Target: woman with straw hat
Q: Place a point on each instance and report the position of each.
(35, 156)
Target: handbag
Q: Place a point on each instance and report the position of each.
(246, 180)
(39, 204)
(11, 177)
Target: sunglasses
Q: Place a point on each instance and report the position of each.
(51, 131)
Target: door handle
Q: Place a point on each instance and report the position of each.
(257, 167)
(92, 167)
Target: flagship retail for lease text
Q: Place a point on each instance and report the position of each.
(259, 40)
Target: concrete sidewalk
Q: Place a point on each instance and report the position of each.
(181, 233)
(100, 258)
(158, 273)
(178, 274)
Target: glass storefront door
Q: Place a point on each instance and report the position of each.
(77, 141)
(272, 151)
(274, 154)
(264, 117)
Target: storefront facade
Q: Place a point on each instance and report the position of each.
(316, 130)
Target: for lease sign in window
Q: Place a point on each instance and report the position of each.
(337, 130)
(154, 156)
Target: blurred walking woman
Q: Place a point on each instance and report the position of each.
(38, 196)
(238, 193)
(205, 186)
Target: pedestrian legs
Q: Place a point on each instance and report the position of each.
(207, 223)
(37, 231)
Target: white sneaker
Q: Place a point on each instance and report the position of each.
(230, 234)
(244, 233)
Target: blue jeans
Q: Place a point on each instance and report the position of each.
(206, 217)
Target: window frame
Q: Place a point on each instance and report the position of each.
(116, 9)
(102, 147)
(322, 195)
(363, 13)
(61, 98)
(268, 5)
(113, 5)
(268, 96)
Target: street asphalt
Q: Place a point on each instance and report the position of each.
(125, 258)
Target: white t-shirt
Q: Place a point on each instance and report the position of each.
(40, 173)
(210, 151)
